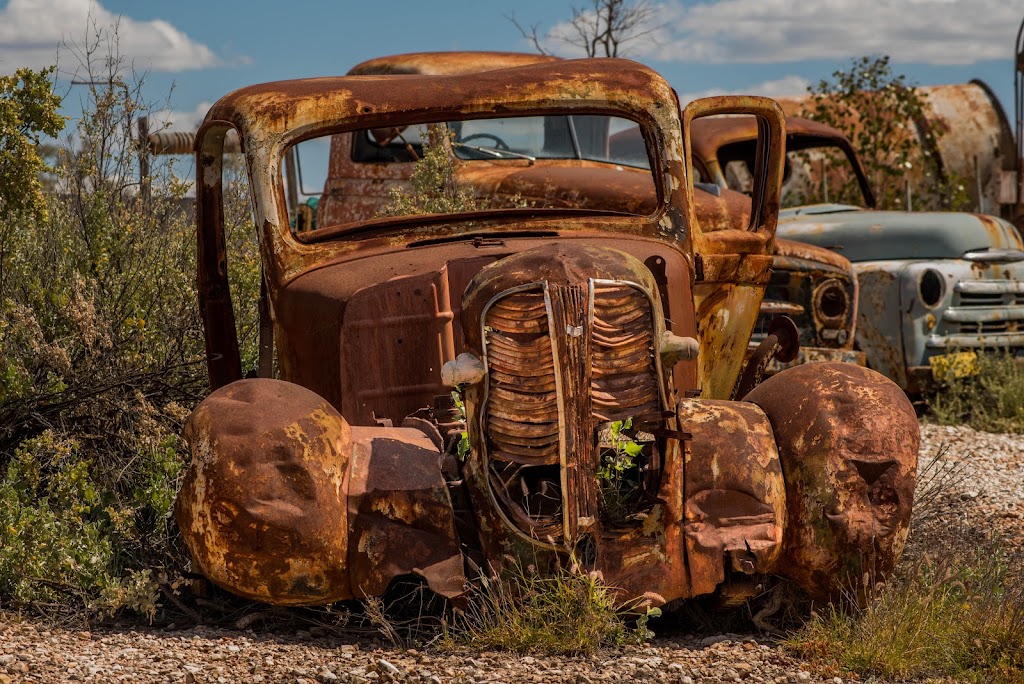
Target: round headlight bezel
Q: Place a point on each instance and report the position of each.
(832, 303)
(931, 288)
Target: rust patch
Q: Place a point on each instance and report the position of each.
(848, 439)
(263, 505)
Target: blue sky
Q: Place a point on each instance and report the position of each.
(773, 47)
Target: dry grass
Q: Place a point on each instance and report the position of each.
(957, 613)
(568, 611)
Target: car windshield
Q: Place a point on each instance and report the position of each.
(580, 136)
(594, 163)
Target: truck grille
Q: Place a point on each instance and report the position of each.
(624, 383)
(984, 314)
(578, 354)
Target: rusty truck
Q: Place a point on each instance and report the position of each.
(814, 287)
(593, 352)
(935, 287)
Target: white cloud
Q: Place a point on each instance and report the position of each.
(928, 31)
(177, 120)
(31, 31)
(787, 86)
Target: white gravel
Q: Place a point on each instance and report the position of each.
(983, 489)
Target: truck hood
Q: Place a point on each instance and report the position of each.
(802, 256)
(867, 235)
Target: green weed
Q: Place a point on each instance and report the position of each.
(959, 614)
(992, 399)
(567, 611)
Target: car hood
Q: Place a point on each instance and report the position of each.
(802, 256)
(867, 235)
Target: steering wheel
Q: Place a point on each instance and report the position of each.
(499, 144)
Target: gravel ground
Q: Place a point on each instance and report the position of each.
(979, 486)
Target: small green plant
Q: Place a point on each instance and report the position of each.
(620, 471)
(462, 449)
(957, 614)
(435, 189)
(567, 611)
(991, 398)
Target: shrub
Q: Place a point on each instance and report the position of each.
(879, 112)
(101, 358)
(991, 398)
(435, 189)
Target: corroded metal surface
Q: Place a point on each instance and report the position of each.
(263, 507)
(446, 63)
(782, 343)
(285, 503)
(735, 494)
(848, 439)
(818, 289)
(400, 518)
(572, 331)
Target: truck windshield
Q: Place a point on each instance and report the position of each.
(594, 163)
(590, 137)
(581, 136)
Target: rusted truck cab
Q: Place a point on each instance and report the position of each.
(814, 287)
(935, 288)
(593, 351)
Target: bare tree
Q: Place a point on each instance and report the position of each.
(601, 29)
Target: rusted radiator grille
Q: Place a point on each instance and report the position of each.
(605, 349)
(624, 382)
(522, 414)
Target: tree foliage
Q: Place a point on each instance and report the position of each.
(28, 111)
(884, 117)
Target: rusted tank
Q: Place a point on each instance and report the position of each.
(568, 332)
(935, 288)
(975, 143)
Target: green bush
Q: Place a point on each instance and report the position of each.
(991, 399)
(101, 359)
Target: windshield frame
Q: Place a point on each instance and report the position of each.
(428, 224)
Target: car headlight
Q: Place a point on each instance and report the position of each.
(831, 303)
(931, 288)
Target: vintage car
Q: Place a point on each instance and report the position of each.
(934, 286)
(593, 353)
(815, 287)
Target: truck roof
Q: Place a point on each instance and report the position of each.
(446, 63)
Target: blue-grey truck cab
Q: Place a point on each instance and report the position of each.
(934, 287)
